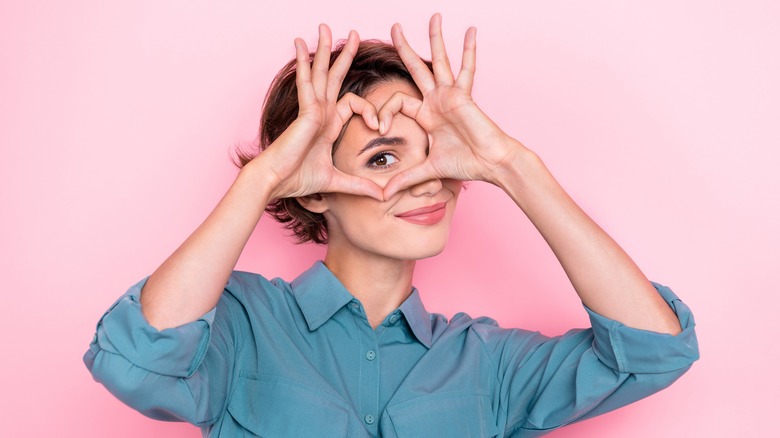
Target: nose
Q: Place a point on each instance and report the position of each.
(426, 188)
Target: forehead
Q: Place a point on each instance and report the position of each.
(385, 90)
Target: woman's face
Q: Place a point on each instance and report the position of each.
(414, 223)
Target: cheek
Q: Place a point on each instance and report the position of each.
(351, 210)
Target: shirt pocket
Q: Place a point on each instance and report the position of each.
(445, 414)
(271, 406)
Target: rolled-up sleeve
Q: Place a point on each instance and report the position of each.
(551, 382)
(630, 350)
(176, 374)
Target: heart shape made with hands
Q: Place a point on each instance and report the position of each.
(464, 144)
(396, 103)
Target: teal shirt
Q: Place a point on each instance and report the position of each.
(278, 359)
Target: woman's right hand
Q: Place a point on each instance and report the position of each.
(191, 280)
(300, 160)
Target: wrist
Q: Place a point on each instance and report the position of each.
(258, 174)
(518, 164)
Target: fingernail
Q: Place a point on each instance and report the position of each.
(381, 127)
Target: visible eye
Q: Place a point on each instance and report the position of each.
(382, 159)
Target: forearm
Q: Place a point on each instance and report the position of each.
(189, 283)
(604, 276)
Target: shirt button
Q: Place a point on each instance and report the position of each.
(393, 319)
(370, 355)
(369, 419)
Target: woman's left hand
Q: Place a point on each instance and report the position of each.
(464, 143)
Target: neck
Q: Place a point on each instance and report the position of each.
(380, 283)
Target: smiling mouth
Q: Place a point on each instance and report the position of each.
(425, 215)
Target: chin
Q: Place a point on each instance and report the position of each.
(420, 250)
(429, 254)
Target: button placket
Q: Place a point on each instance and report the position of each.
(368, 381)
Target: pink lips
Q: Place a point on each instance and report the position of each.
(426, 215)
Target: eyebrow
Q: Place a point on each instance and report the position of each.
(391, 141)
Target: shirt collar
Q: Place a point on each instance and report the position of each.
(418, 318)
(320, 295)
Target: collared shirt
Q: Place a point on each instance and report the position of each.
(300, 359)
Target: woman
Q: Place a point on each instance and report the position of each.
(365, 148)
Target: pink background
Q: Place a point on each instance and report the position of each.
(661, 119)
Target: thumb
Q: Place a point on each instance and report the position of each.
(354, 185)
(410, 177)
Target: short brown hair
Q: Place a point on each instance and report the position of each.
(375, 62)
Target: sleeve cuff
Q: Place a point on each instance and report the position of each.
(631, 350)
(174, 351)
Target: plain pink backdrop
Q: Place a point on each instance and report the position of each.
(660, 118)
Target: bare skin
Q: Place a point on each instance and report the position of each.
(464, 145)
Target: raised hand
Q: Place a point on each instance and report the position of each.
(464, 143)
(301, 157)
